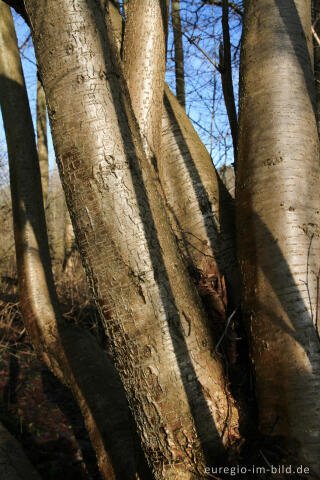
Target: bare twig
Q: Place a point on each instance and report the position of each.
(25, 43)
(226, 328)
(192, 41)
(315, 34)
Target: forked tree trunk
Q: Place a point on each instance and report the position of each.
(178, 52)
(279, 220)
(152, 314)
(175, 162)
(189, 207)
(42, 141)
(71, 353)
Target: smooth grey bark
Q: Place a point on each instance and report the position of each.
(278, 221)
(156, 326)
(70, 352)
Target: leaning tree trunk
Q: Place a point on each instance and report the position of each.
(201, 206)
(279, 225)
(71, 353)
(42, 141)
(156, 326)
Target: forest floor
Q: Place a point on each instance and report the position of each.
(35, 407)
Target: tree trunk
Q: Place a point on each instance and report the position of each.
(178, 52)
(152, 314)
(42, 142)
(144, 63)
(71, 353)
(226, 79)
(278, 221)
(150, 18)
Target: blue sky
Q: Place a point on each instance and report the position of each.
(209, 117)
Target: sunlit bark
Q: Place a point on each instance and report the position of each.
(144, 62)
(71, 353)
(156, 326)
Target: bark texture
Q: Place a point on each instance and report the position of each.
(144, 62)
(71, 353)
(42, 141)
(14, 465)
(156, 326)
(178, 52)
(278, 222)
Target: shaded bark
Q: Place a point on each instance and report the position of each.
(42, 141)
(178, 52)
(14, 465)
(156, 326)
(71, 353)
(278, 221)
